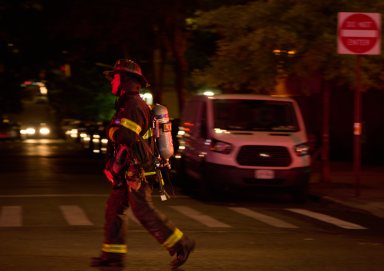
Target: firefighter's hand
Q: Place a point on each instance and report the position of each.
(163, 163)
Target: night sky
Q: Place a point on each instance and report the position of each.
(43, 33)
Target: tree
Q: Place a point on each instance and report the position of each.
(262, 42)
(254, 41)
(81, 33)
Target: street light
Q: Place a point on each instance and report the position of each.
(282, 55)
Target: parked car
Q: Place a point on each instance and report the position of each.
(66, 125)
(93, 138)
(244, 142)
(9, 130)
(73, 128)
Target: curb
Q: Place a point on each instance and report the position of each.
(374, 208)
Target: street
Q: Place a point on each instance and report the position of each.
(52, 197)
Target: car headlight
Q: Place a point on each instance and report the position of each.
(44, 131)
(72, 133)
(28, 131)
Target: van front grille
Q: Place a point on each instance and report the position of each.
(267, 156)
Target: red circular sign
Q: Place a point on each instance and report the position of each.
(359, 33)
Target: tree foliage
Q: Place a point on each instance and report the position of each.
(249, 36)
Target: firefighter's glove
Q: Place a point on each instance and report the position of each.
(162, 163)
(134, 176)
(115, 166)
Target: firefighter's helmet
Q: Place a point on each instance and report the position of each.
(128, 66)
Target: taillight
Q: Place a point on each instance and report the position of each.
(221, 147)
(302, 149)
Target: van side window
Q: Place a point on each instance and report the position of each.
(190, 117)
(195, 119)
(203, 127)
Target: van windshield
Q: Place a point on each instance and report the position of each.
(254, 115)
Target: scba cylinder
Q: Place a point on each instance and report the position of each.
(163, 131)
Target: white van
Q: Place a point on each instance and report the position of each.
(244, 141)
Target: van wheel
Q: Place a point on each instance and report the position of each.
(205, 190)
(182, 179)
(300, 193)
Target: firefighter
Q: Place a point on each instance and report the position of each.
(131, 171)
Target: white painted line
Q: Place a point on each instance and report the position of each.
(199, 217)
(328, 219)
(375, 208)
(73, 195)
(52, 195)
(269, 220)
(75, 216)
(10, 216)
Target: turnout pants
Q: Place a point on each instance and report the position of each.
(156, 223)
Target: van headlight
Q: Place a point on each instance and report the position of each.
(302, 149)
(221, 146)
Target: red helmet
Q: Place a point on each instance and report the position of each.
(129, 66)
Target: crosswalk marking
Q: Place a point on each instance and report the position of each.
(329, 219)
(10, 216)
(203, 219)
(269, 220)
(75, 216)
(53, 195)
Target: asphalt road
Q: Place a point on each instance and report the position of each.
(52, 197)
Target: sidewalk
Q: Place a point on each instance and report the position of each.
(343, 188)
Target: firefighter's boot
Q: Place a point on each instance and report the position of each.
(108, 260)
(182, 249)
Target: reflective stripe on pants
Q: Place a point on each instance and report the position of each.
(173, 239)
(114, 248)
(155, 222)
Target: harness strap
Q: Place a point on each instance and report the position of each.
(148, 133)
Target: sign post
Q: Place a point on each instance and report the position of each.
(358, 34)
